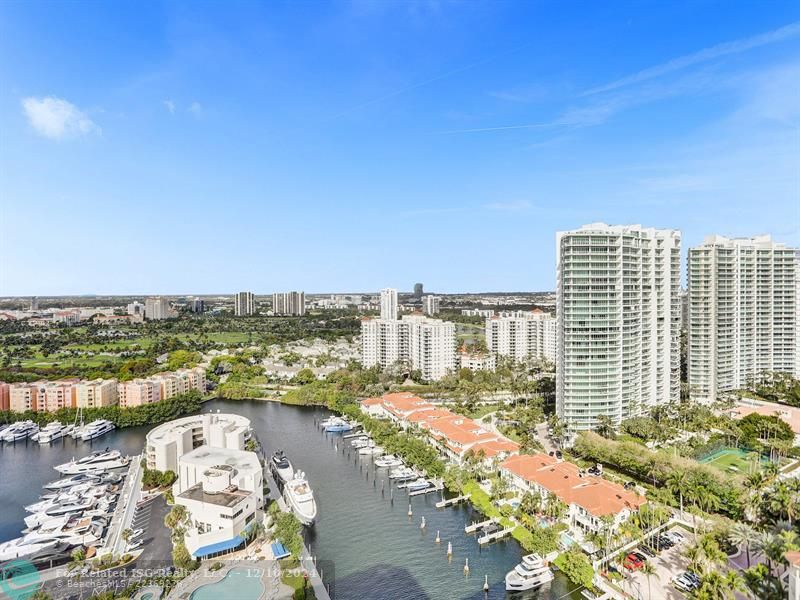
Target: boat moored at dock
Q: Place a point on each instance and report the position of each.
(95, 429)
(530, 574)
(282, 467)
(19, 431)
(97, 461)
(52, 432)
(300, 498)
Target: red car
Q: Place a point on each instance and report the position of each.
(633, 562)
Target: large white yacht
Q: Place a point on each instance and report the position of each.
(19, 547)
(19, 431)
(282, 467)
(52, 432)
(300, 498)
(388, 462)
(96, 428)
(531, 573)
(97, 461)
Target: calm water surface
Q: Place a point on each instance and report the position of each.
(367, 546)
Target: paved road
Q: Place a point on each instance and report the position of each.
(544, 438)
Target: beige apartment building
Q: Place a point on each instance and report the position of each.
(96, 393)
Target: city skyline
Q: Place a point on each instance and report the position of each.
(181, 134)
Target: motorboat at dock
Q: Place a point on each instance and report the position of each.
(300, 498)
(531, 573)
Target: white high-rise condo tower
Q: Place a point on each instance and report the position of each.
(244, 304)
(389, 304)
(619, 314)
(289, 303)
(522, 335)
(430, 305)
(743, 313)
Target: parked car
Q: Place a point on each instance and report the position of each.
(647, 550)
(633, 562)
(559, 454)
(640, 556)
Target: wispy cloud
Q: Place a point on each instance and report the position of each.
(514, 206)
(705, 55)
(196, 109)
(170, 106)
(57, 119)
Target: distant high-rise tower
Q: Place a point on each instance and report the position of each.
(618, 322)
(34, 303)
(743, 313)
(157, 308)
(244, 304)
(197, 305)
(418, 291)
(430, 305)
(389, 304)
(289, 303)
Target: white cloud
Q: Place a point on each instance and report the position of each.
(58, 119)
(196, 109)
(718, 51)
(170, 106)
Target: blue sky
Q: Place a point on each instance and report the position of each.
(211, 147)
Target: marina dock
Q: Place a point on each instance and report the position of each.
(452, 501)
(491, 537)
(475, 526)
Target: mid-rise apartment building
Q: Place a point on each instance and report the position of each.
(96, 393)
(138, 392)
(421, 343)
(4, 396)
(618, 322)
(522, 335)
(244, 304)
(743, 313)
(24, 396)
(430, 305)
(291, 304)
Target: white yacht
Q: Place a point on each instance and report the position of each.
(300, 498)
(282, 467)
(96, 428)
(70, 507)
(97, 461)
(531, 573)
(20, 547)
(388, 462)
(19, 431)
(52, 432)
(68, 482)
(360, 442)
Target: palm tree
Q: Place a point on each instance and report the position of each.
(741, 534)
(126, 535)
(677, 481)
(649, 571)
(734, 583)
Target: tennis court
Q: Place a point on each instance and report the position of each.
(734, 460)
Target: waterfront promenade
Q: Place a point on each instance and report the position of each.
(129, 496)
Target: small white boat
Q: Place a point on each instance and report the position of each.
(531, 573)
(388, 462)
(418, 484)
(19, 431)
(360, 442)
(68, 482)
(95, 429)
(300, 498)
(402, 473)
(52, 432)
(338, 425)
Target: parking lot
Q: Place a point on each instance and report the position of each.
(668, 563)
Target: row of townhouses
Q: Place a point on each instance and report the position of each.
(590, 499)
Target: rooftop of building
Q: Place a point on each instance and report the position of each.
(789, 414)
(178, 426)
(596, 495)
(211, 457)
(227, 498)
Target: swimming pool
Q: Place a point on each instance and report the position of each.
(242, 584)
